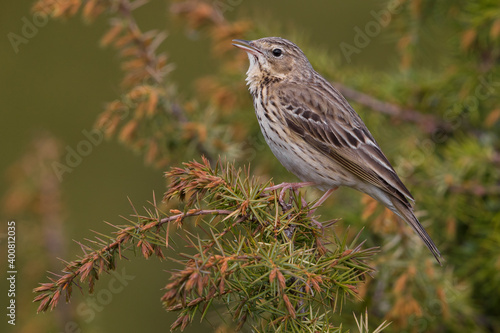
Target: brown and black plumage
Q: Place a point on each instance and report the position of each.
(315, 133)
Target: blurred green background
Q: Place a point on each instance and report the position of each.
(60, 80)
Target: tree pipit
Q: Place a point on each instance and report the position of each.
(316, 134)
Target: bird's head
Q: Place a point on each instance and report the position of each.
(274, 57)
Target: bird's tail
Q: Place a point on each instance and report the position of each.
(406, 213)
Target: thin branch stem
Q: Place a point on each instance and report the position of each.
(125, 8)
(195, 213)
(429, 123)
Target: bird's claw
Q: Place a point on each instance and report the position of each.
(284, 187)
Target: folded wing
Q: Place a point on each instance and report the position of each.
(326, 121)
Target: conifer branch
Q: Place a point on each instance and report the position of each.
(270, 266)
(148, 117)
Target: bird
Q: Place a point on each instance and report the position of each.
(316, 134)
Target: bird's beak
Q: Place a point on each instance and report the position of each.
(246, 46)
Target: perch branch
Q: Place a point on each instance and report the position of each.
(429, 123)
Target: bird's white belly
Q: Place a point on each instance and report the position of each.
(307, 165)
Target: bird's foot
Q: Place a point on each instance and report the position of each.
(288, 186)
(294, 187)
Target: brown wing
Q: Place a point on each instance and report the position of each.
(324, 119)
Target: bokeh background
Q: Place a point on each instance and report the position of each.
(56, 83)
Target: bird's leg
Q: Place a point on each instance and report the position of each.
(317, 204)
(295, 187)
(321, 200)
(287, 186)
(304, 205)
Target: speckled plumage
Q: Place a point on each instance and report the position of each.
(315, 133)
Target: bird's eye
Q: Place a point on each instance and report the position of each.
(277, 52)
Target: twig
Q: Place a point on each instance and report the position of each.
(195, 213)
(198, 300)
(429, 123)
(125, 8)
(179, 113)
